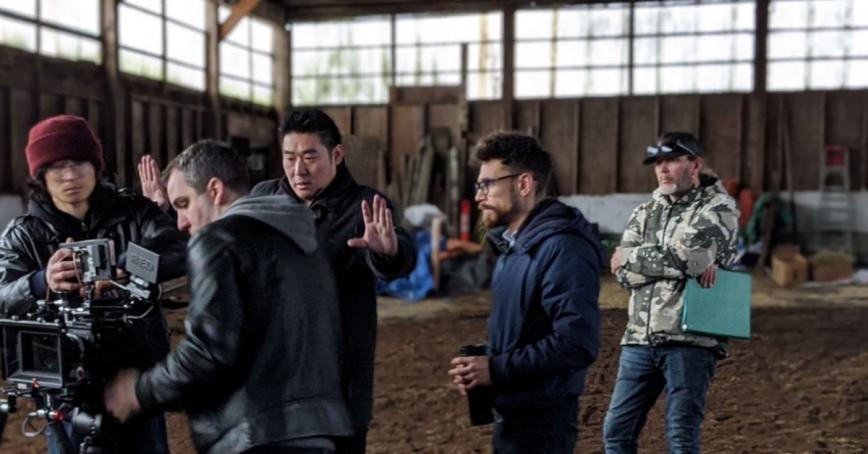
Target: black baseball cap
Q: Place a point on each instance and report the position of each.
(674, 144)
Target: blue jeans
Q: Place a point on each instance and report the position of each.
(683, 372)
(552, 431)
(138, 435)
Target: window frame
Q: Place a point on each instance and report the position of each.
(808, 59)
(252, 52)
(40, 24)
(165, 60)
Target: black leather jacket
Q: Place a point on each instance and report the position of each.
(30, 240)
(262, 356)
(338, 216)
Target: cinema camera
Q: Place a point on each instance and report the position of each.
(61, 355)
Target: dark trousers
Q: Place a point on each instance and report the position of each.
(138, 435)
(552, 431)
(355, 444)
(684, 373)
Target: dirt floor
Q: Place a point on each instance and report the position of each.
(799, 386)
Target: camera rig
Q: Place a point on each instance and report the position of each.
(61, 354)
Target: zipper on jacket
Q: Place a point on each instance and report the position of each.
(653, 285)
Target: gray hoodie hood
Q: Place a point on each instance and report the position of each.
(291, 219)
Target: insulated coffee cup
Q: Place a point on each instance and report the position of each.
(480, 399)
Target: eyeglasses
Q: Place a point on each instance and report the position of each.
(654, 150)
(59, 167)
(485, 184)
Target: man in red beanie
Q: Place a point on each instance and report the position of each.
(69, 203)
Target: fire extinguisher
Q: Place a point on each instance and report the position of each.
(465, 220)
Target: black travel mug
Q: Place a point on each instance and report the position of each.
(480, 399)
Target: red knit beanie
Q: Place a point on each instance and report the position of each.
(62, 137)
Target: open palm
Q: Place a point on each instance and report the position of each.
(379, 234)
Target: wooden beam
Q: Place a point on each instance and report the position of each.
(214, 128)
(117, 160)
(239, 11)
(301, 10)
(760, 46)
(282, 70)
(507, 90)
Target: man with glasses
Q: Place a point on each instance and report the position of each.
(544, 325)
(685, 231)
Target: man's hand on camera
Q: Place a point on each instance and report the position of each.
(469, 372)
(120, 395)
(61, 275)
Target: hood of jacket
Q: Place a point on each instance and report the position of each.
(292, 220)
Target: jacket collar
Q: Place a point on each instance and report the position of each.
(334, 192)
(103, 202)
(529, 233)
(706, 184)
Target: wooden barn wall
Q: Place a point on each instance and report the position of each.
(158, 119)
(597, 144)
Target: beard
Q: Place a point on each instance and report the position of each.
(494, 216)
(681, 185)
(491, 218)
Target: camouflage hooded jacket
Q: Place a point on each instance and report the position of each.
(665, 244)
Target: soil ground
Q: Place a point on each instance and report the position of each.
(800, 385)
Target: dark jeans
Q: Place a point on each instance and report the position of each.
(683, 372)
(353, 445)
(552, 431)
(139, 435)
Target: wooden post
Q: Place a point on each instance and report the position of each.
(761, 35)
(508, 89)
(118, 165)
(282, 72)
(213, 126)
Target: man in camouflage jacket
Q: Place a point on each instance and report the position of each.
(687, 230)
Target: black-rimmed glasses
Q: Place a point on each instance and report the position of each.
(485, 184)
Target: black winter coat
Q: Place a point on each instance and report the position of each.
(338, 216)
(30, 240)
(260, 363)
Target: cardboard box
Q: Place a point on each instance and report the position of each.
(789, 268)
(831, 266)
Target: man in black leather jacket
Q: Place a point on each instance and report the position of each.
(259, 370)
(69, 203)
(316, 176)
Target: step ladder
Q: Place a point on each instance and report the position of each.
(833, 228)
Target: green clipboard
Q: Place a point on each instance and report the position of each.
(722, 310)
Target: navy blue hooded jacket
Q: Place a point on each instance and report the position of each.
(544, 327)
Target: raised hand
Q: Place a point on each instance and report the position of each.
(152, 187)
(379, 234)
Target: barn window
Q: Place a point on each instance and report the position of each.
(67, 29)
